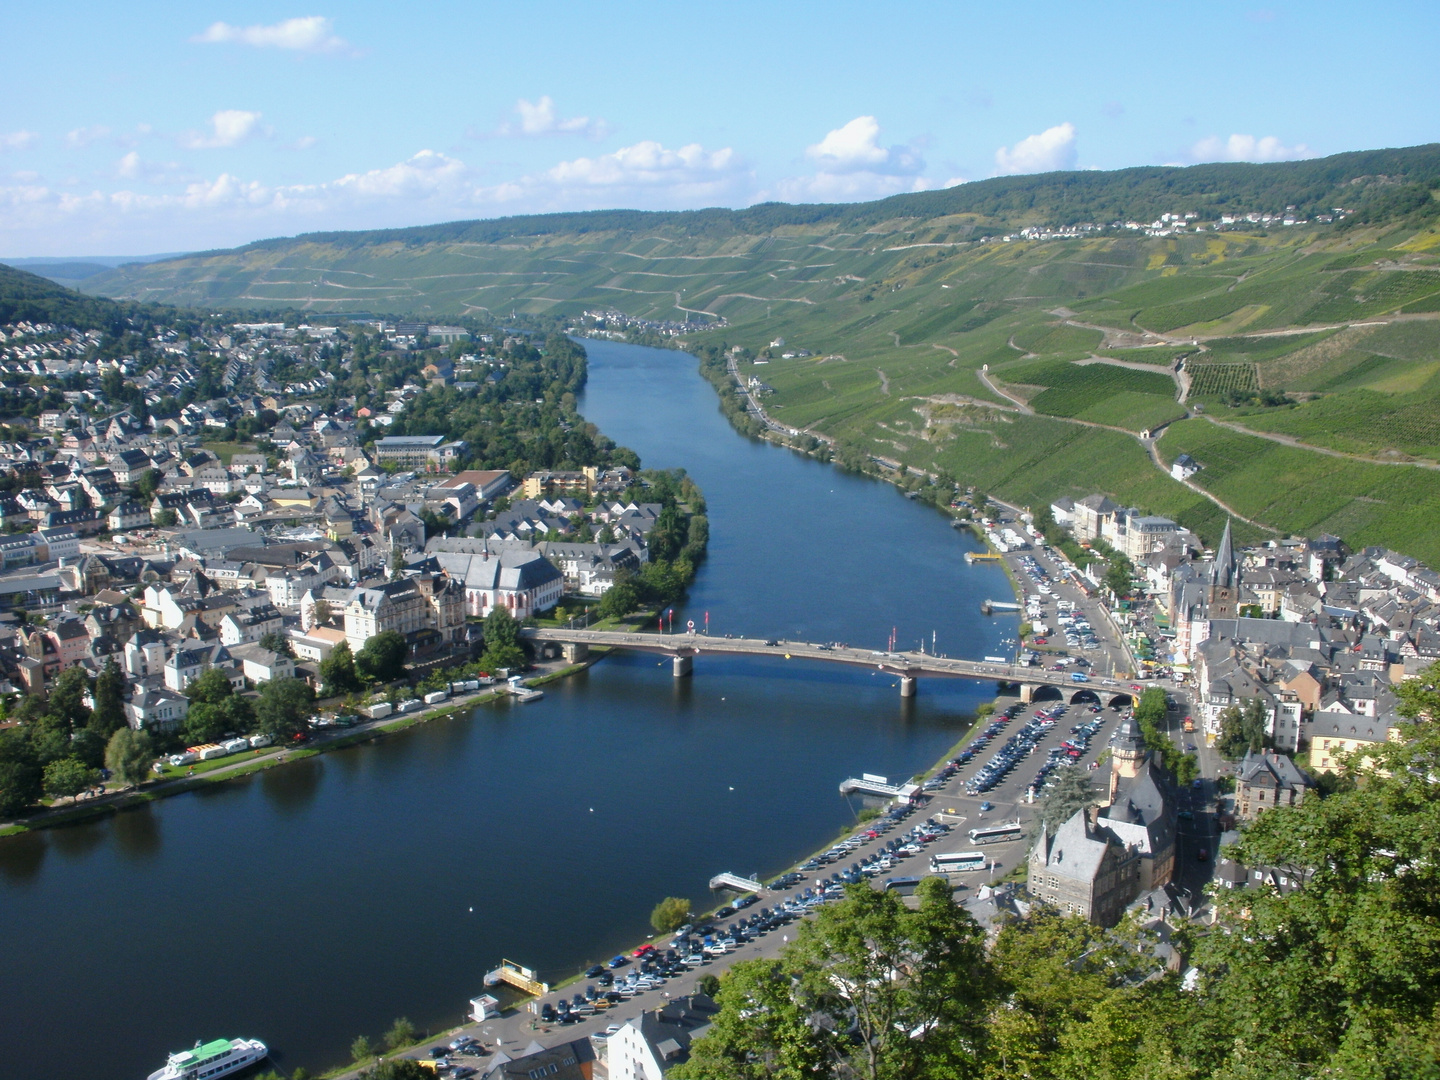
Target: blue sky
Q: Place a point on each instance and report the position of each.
(150, 126)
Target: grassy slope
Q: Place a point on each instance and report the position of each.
(903, 311)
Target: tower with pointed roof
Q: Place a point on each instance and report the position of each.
(1222, 586)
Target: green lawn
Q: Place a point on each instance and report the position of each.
(227, 450)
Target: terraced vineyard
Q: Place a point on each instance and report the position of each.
(907, 302)
(1215, 380)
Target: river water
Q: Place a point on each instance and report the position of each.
(318, 902)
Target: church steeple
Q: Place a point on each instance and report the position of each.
(1128, 754)
(1224, 573)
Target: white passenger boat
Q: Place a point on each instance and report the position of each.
(220, 1057)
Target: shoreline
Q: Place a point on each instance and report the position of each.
(277, 757)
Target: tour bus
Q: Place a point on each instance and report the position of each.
(957, 862)
(997, 834)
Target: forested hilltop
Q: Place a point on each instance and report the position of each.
(1032, 337)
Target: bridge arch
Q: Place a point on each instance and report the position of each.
(1046, 692)
(1087, 696)
(1119, 701)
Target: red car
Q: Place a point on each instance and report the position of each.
(1042, 641)
(643, 950)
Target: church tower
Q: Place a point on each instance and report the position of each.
(1128, 755)
(1222, 590)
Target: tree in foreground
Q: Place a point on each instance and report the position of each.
(128, 756)
(869, 988)
(670, 914)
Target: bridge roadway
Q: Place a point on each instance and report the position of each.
(906, 666)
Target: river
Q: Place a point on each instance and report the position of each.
(316, 902)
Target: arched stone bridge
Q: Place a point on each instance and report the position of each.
(1035, 683)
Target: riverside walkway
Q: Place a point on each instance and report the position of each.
(683, 648)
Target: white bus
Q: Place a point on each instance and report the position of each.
(997, 834)
(957, 862)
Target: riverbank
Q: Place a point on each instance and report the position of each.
(275, 757)
(512, 1018)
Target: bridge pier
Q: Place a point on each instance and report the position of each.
(1027, 693)
(576, 651)
(680, 666)
(907, 685)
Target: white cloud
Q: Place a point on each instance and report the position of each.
(852, 165)
(304, 142)
(18, 140)
(1052, 149)
(84, 136)
(537, 118)
(310, 33)
(851, 147)
(228, 127)
(429, 186)
(1247, 148)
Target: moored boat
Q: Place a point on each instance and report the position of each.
(219, 1057)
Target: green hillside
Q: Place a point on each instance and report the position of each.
(941, 339)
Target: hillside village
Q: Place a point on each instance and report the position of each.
(130, 541)
(1290, 653)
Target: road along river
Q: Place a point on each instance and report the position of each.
(317, 902)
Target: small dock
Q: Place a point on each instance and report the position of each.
(870, 784)
(981, 556)
(522, 978)
(728, 880)
(520, 692)
(989, 607)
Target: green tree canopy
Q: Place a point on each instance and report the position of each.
(382, 657)
(670, 914)
(283, 709)
(210, 687)
(67, 777)
(109, 713)
(337, 671)
(129, 755)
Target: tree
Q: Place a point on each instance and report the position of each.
(210, 687)
(382, 657)
(708, 985)
(670, 914)
(166, 519)
(66, 778)
(337, 671)
(1242, 730)
(149, 483)
(1118, 576)
(283, 710)
(128, 756)
(21, 784)
(109, 713)
(502, 641)
(277, 642)
(618, 601)
(398, 1069)
(66, 704)
(868, 988)
(402, 1033)
(361, 1049)
(1071, 790)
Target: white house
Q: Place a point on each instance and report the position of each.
(646, 1046)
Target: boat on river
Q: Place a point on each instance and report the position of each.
(219, 1057)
